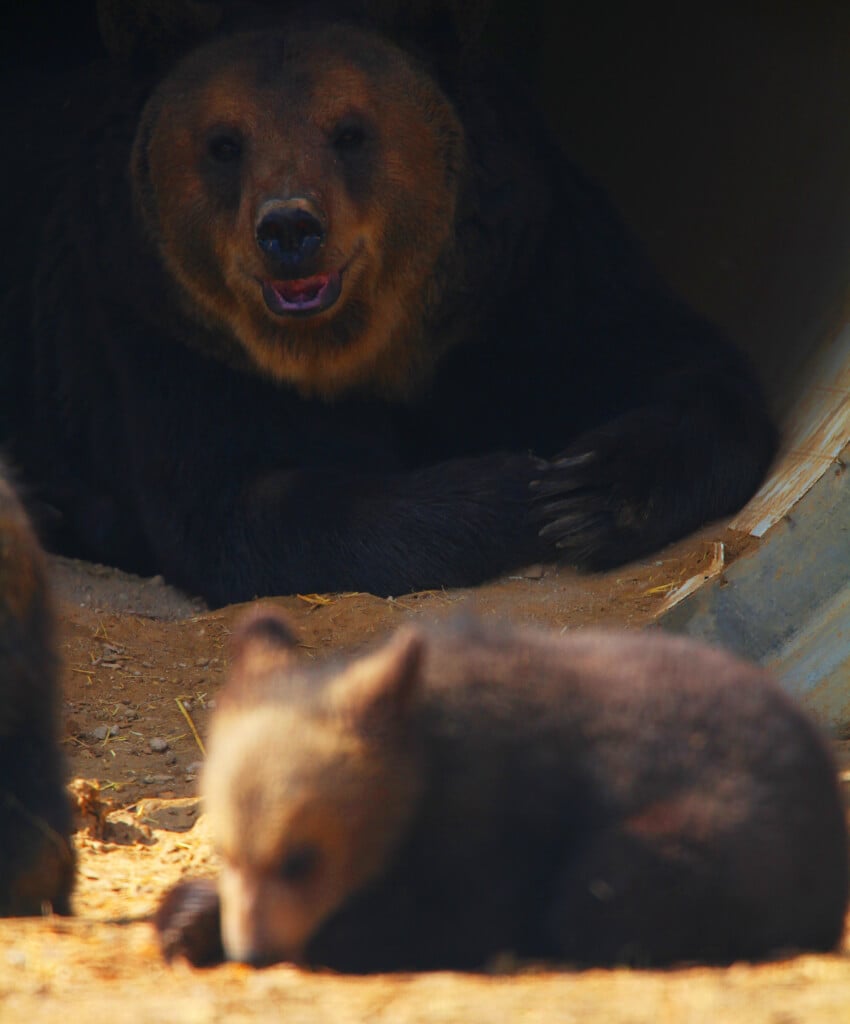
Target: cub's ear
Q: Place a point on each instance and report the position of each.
(377, 691)
(262, 640)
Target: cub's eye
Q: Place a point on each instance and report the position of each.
(224, 147)
(348, 137)
(299, 863)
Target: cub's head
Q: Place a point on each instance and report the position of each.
(310, 782)
(301, 187)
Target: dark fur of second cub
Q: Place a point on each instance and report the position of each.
(36, 857)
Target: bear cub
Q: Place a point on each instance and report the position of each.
(461, 792)
(310, 312)
(36, 857)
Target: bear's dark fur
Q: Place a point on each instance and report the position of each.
(301, 317)
(36, 858)
(596, 798)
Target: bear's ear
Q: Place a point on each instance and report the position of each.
(150, 31)
(376, 692)
(263, 640)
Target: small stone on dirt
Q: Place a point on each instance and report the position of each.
(102, 731)
(159, 780)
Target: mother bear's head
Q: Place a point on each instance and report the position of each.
(301, 188)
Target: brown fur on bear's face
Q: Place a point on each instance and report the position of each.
(335, 125)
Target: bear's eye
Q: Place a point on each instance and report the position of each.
(348, 137)
(300, 863)
(224, 147)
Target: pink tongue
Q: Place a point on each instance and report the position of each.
(306, 295)
(303, 290)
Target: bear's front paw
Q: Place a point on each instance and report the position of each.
(188, 923)
(586, 510)
(570, 508)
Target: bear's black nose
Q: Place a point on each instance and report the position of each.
(289, 235)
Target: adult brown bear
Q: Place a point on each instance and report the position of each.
(36, 857)
(312, 314)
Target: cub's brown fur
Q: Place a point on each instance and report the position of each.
(36, 859)
(595, 798)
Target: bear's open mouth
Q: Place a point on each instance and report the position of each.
(304, 296)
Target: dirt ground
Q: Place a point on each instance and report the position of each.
(143, 664)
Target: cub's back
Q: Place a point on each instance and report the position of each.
(629, 715)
